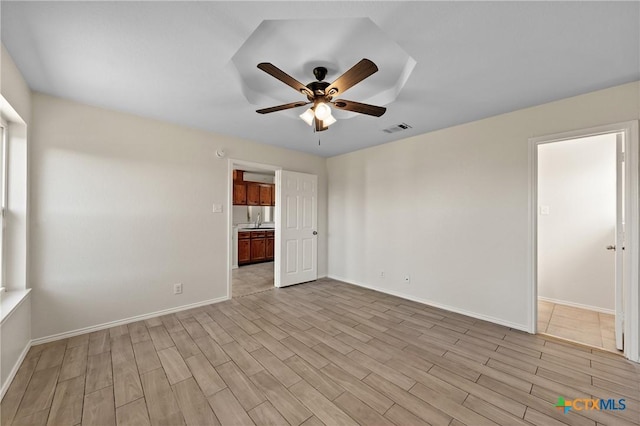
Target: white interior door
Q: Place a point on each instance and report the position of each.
(296, 228)
(619, 244)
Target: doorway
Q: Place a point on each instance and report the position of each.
(253, 229)
(577, 208)
(584, 218)
(272, 242)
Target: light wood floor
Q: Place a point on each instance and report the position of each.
(250, 279)
(318, 353)
(576, 324)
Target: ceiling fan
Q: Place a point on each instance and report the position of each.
(321, 94)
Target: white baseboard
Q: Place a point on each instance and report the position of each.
(578, 305)
(129, 320)
(476, 315)
(14, 370)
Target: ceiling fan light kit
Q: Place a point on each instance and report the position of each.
(308, 116)
(322, 111)
(329, 120)
(321, 93)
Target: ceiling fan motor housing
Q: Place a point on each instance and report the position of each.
(320, 73)
(318, 88)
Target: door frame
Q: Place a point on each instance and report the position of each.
(630, 284)
(233, 163)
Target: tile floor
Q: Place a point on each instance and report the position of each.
(576, 324)
(250, 279)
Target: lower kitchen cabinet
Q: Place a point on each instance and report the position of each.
(258, 245)
(270, 241)
(244, 248)
(255, 246)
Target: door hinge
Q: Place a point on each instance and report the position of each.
(622, 157)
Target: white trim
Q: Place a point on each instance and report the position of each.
(14, 370)
(110, 324)
(578, 305)
(632, 243)
(532, 243)
(499, 321)
(631, 261)
(11, 300)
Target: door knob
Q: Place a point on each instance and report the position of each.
(315, 232)
(611, 247)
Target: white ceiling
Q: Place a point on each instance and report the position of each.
(172, 60)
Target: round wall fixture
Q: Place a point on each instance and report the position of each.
(220, 153)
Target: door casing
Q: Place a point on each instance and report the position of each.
(631, 285)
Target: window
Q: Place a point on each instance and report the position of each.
(3, 197)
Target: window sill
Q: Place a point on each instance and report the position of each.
(10, 300)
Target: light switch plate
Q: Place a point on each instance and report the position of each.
(217, 208)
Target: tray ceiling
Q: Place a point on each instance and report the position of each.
(174, 61)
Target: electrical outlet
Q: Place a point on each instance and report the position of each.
(381, 274)
(407, 279)
(177, 288)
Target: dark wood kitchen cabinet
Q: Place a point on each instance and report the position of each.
(265, 194)
(253, 194)
(255, 246)
(244, 248)
(269, 245)
(258, 246)
(239, 194)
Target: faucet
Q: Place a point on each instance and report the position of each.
(258, 221)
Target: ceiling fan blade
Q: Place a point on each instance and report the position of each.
(320, 125)
(282, 107)
(374, 110)
(276, 72)
(353, 76)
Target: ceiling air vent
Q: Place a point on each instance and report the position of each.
(397, 128)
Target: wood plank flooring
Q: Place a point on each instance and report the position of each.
(317, 353)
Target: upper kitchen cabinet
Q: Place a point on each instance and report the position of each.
(265, 194)
(239, 194)
(252, 193)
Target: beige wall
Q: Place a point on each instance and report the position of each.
(450, 208)
(122, 210)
